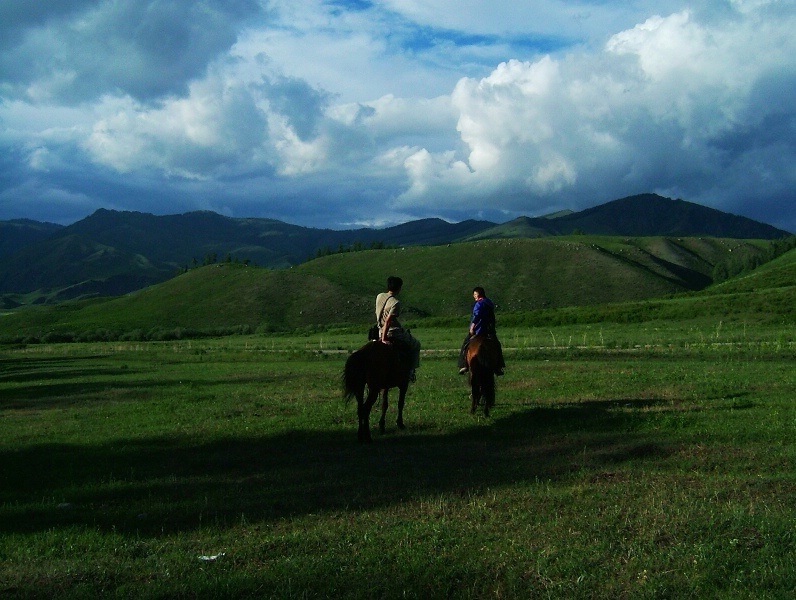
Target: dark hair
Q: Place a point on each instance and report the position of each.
(479, 290)
(394, 284)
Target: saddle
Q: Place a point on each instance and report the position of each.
(403, 352)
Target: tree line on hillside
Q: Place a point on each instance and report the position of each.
(734, 266)
(155, 334)
(355, 247)
(211, 258)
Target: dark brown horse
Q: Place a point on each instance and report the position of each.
(483, 358)
(378, 367)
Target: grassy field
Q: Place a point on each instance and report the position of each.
(653, 460)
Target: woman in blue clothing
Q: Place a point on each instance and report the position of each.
(481, 323)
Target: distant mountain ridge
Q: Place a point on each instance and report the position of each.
(640, 216)
(112, 252)
(19, 233)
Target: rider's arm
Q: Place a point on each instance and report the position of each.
(386, 328)
(476, 317)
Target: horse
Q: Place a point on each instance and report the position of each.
(482, 361)
(379, 367)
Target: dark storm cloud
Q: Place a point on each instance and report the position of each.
(17, 17)
(83, 50)
(299, 102)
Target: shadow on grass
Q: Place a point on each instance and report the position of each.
(43, 383)
(48, 381)
(152, 486)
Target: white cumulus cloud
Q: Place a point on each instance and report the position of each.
(669, 105)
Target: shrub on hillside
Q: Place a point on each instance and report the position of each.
(57, 337)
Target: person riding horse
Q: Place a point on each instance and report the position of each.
(482, 323)
(388, 309)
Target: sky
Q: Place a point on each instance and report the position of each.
(368, 113)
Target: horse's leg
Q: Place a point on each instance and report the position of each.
(490, 399)
(364, 418)
(361, 416)
(401, 401)
(384, 406)
(475, 389)
(363, 412)
(489, 392)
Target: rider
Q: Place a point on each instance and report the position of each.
(482, 323)
(388, 309)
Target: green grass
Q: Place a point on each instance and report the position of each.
(622, 460)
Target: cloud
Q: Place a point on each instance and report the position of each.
(669, 105)
(348, 112)
(205, 134)
(71, 51)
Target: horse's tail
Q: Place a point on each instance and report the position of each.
(354, 374)
(483, 360)
(489, 355)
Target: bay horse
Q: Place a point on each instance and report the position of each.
(482, 361)
(379, 367)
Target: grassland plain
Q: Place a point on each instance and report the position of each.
(621, 461)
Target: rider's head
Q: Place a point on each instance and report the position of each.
(394, 284)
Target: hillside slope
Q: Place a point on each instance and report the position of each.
(779, 273)
(520, 275)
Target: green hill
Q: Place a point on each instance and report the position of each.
(521, 227)
(521, 275)
(780, 273)
(111, 253)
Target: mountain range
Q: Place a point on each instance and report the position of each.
(111, 253)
